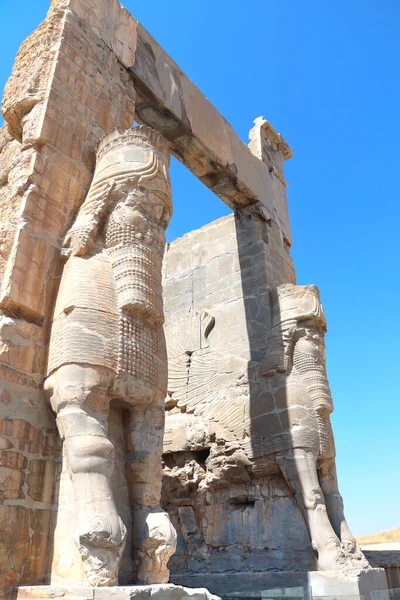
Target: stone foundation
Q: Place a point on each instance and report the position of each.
(312, 584)
(156, 592)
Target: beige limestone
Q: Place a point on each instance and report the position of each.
(76, 91)
(111, 22)
(66, 85)
(270, 147)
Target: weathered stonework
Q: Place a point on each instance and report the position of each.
(66, 90)
(106, 343)
(76, 91)
(386, 556)
(248, 411)
(84, 201)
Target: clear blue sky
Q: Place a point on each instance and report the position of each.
(326, 74)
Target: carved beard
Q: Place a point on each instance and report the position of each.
(135, 241)
(137, 218)
(309, 362)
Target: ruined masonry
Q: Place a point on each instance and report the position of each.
(165, 411)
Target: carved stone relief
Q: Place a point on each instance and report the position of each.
(107, 343)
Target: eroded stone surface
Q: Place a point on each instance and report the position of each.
(249, 449)
(27, 466)
(74, 90)
(65, 86)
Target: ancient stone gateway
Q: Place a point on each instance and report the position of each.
(249, 499)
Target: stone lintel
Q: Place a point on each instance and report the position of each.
(167, 100)
(200, 136)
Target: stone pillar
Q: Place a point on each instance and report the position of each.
(69, 86)
(249, 447)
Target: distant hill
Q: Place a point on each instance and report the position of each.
(385, 537)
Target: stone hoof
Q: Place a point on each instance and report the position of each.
(358, 559)
(101, 551)
(155, 540)
(331, 557)
(161, 544)
(101, 535)
(101, 565)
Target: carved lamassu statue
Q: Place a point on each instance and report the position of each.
(274, 413)
(107, 342)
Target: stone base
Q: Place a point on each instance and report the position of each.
(166, 591)
(293, 585)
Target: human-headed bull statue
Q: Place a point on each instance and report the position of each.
(277, 411)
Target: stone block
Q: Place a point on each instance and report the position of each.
(24, 279)
(156, 592)
(188, 521)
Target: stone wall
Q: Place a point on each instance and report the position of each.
(229, 516)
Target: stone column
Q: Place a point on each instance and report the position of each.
(69, 86)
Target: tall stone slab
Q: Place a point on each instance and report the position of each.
(73, 81)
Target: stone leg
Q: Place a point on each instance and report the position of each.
(334, 506)
(154, 537)
(78, 395)
(299, 467)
